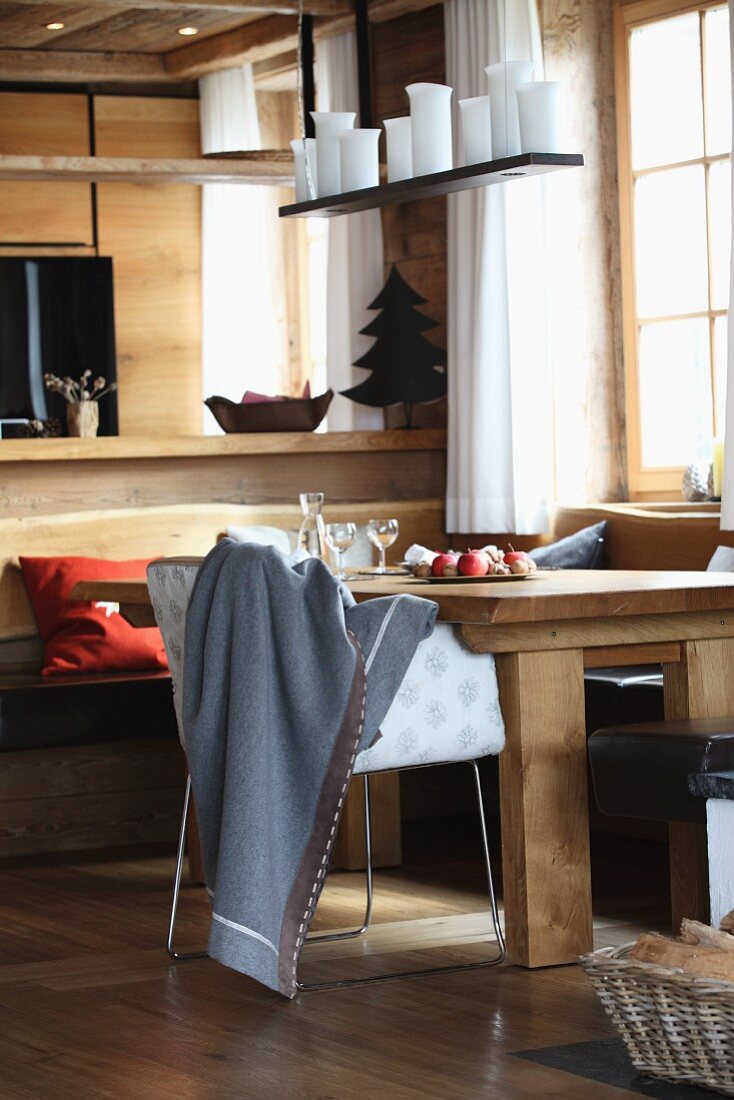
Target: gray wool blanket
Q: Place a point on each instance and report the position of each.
(285, 680)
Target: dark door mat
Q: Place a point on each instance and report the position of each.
(607, 1061)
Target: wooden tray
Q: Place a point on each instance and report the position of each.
(492, 578)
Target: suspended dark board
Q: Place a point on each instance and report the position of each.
(440, 183)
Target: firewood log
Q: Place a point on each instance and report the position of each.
(712, 964)
(654, 948)
(693, 932)
(727, 922)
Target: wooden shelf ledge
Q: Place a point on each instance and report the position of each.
(145, 170)
(275, 443)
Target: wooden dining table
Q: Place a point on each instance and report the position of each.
(543, 632)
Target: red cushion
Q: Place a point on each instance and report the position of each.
(81, 636)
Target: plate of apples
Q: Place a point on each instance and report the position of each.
(477, 566)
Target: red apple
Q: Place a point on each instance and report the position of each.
(475, 563)
(515, 555)
(440, 562)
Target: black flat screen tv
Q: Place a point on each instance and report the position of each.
(57, 317)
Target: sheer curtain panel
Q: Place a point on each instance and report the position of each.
(500, 420)
(355, 271)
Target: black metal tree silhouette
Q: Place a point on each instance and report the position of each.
(403, 363)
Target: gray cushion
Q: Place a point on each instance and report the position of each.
(583, 550)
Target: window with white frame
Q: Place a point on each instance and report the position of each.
(674, 128)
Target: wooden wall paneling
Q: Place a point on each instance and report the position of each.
(171, 531)
(34, 123)
(90, 796)
(407, 49)
(153, 234)
(41, 488)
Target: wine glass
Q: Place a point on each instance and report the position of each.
(339, 538)
(382, 533)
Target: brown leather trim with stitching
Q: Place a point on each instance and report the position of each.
(311, 875)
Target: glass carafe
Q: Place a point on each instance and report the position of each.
(311, 534)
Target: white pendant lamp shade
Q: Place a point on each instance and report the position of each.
(476, 129)
(399, 149)
(537, 104)
(304, 149)
(504, 78)
(329, 124)
(359, 159)
(430, 114)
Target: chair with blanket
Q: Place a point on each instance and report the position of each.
(445, 711)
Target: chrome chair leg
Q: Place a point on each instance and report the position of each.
(177, 882)
(501, 952)
(350, 935)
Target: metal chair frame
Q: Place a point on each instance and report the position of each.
(363, 928)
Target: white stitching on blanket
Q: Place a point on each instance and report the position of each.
(245, 931)
(322, 869)
(381, 633)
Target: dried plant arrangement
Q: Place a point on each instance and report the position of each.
(82, 398)
(73, 390)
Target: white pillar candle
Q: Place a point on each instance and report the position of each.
(476, 129)
(504, 77)
(328, 169)
(305, 149)
(399, 148)
(359, 159)
(430, 115)
(537, 104)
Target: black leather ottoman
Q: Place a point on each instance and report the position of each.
(642, 769)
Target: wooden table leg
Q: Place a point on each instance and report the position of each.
(700, 685)
(349, 849)
(544, 807)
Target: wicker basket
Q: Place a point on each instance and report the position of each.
(676, 1028)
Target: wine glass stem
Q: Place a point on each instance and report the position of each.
(341, 575)
(381, 551)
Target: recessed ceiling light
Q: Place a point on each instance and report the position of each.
(186, 31)
(55, 26)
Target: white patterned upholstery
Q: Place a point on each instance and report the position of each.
(446, 709)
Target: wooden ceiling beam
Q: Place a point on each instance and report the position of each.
(278, 34)
(274, 7)
(81, 66)
(254, 42)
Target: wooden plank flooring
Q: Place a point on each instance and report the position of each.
(91, 1007)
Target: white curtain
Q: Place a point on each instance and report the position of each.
(500, 419)
(727, 502)
(355, 271)
(244, 337)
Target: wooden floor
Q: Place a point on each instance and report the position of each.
(90, 1005)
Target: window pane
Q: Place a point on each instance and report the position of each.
(675, 392)
(670, 242)
(720, 210)
(720, 343)
(665, 92)
(718, 81)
